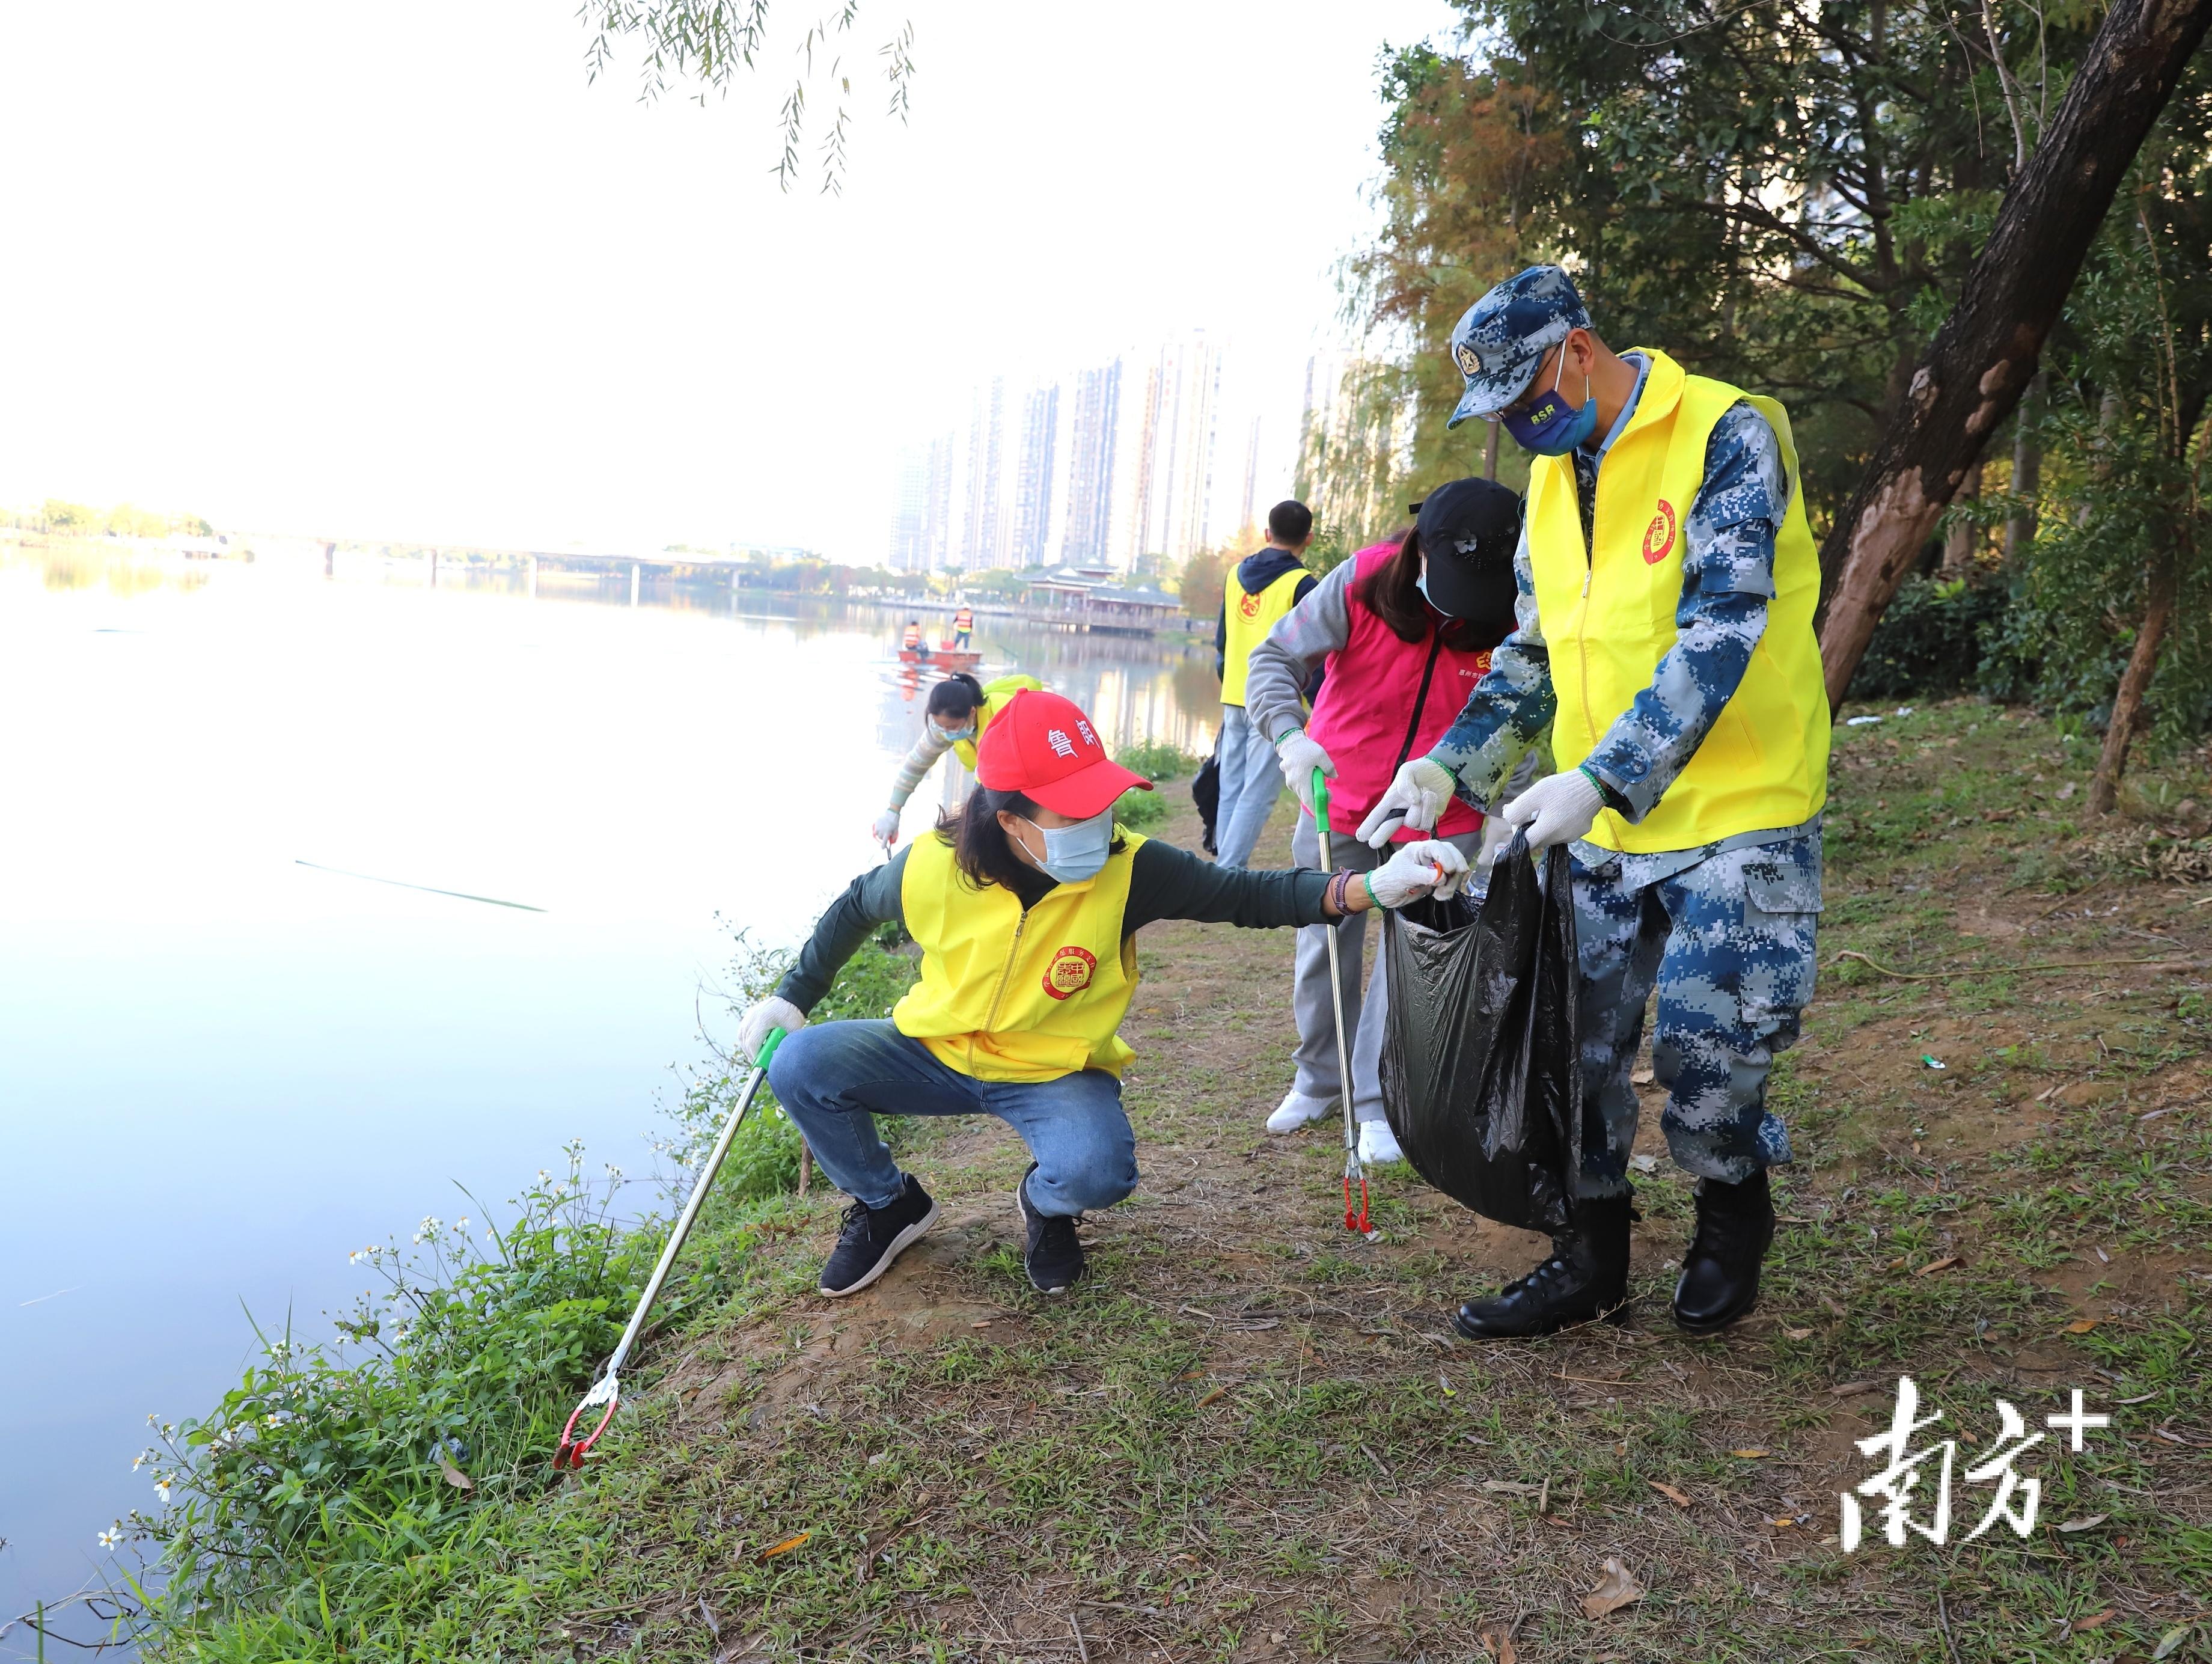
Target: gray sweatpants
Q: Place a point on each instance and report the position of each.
(1316, 1057)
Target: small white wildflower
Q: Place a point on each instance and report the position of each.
(138, 1462)
(108, 1539)
(161, 1487)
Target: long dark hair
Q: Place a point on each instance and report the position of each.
(981, 849)
(957, 695)
(1392, 593)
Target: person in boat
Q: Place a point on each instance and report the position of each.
(964, 627)
(958, 711)
(1404, 630)
(1025, 906)
(912, 642)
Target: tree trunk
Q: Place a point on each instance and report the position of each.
(1965, 535)
(1974, 371)
(2026, 475)
(2135, 682)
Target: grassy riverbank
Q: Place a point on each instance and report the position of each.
(1250, 1435)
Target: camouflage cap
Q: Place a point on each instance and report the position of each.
(1505, 335)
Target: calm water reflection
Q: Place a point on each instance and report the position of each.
(221, 1070)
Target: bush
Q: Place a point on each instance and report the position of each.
(318, 1471)
(1158, 760)
(329, 1496)
(1931, 641)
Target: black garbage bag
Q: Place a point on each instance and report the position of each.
(1479, 1074)
(1206, 792)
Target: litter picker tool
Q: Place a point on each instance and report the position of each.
(608, 1389)
(1354, 1218)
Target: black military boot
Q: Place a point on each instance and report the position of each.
(1720, 1273)
(1586, 1278)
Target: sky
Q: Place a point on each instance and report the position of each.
(400, 272)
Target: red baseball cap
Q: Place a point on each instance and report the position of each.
(1042, 746)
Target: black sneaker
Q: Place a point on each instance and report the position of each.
(874, 1237)
(1053, 1257)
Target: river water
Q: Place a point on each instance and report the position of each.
(221, 1068)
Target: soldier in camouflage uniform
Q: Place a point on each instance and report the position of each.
(1667, 583)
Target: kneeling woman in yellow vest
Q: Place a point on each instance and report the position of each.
(960, 709)
(1025, 907)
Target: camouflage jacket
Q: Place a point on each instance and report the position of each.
(1728, 577)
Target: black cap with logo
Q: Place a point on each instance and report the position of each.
(1468, 530)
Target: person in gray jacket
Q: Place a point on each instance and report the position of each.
(1404, 630)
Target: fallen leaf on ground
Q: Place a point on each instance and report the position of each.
(1852, 1388)
(1798, 1334)
(2097, 1620)
(2170, 1642)
(783, 1547)
(1944, 1264)
(1509, 1488)
(1898, 1264)
(1644, 1163)
(1674, 1494)
(1616, 1589)
(454, 1477)
(1752, 1454)
(2080, 1325)
(1215, 1396)
(2087, 1522)
(1783, 1522)
(1640, 1077)
(1498, 1643)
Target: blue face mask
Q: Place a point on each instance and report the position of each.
(951, 735)
(1554, 424)
(1421, 583)
(1073, 853)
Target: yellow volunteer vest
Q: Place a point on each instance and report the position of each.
(1607, 615)
(996, 695)
(1250, 618)
(1005, 996)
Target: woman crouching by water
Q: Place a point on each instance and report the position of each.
(1025, 907)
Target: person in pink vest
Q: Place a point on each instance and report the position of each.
(1403, 631)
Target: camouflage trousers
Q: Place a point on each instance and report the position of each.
(1728, 942)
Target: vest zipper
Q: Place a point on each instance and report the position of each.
(1420, 701)
(1582, 618)
(998, 994)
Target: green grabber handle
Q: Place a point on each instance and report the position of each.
(607, 1391)
(1320, 811)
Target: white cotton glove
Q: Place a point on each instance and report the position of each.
(770, 1013)
(1430, 867)
(1419, 793)
(886, 828)
(1557, 809)
(1299, 756)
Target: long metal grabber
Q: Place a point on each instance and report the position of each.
(607, 1390)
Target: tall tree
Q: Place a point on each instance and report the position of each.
(1987, 348)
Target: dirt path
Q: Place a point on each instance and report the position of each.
(1252, 1436)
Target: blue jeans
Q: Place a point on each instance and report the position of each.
(1251, 780)
(835, 1078)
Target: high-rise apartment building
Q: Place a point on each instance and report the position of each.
(982, 534)
(1033, 484)
(1090, 469)
(909, 550)
(1118, 466)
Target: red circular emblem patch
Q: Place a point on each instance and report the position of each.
(1250, 606)
(1659, 536)
(1068, 973)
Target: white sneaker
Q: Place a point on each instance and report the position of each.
(1296, 1109)
(1378, 1145)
